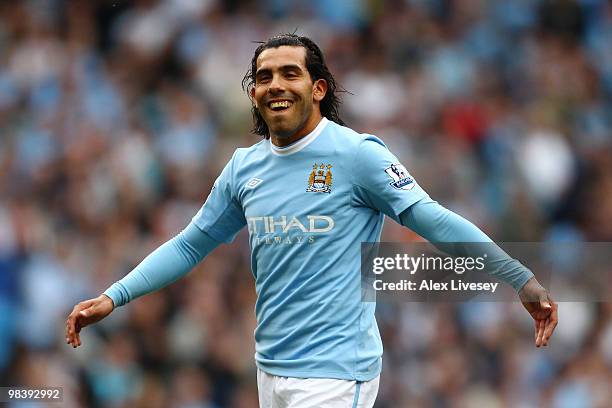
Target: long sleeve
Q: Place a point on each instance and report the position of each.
(440, 225)
(168, 263)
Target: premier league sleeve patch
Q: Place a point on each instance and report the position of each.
(400, 176)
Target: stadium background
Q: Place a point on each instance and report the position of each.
(116, 117)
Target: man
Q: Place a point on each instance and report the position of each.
(309, 193)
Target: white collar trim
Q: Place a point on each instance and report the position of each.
(299, 144)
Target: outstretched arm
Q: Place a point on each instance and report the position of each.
(440, 225)
(166, 264)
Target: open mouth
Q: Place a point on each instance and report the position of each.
(278, 106)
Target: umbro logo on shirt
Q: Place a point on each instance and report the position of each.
(252, 183)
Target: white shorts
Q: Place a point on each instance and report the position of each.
(287, 392)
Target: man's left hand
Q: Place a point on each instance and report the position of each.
(542, 308)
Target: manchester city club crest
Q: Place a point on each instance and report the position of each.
(320, 180)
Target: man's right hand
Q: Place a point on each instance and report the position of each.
(86, 313)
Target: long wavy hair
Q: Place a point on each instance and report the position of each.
(315, 63)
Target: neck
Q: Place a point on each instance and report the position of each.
(308, 127)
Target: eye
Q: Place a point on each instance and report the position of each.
(262, 79)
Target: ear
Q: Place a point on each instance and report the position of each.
(253, 97)
(319, 90)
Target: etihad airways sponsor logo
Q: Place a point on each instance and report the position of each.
(314, 224)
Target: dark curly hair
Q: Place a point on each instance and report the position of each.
(315, 63)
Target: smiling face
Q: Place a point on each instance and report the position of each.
(285, 95)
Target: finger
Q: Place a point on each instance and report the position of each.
(68, 331)
(540, 333)
(551, 323)
(80, 323)
(544, 339)
(70, 328)
(73, 327)
(76, 340)
(72, 324)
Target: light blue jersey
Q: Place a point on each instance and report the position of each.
(308, 207)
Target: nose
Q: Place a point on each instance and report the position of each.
(276, 85)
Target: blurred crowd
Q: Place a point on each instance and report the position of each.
(117, 116)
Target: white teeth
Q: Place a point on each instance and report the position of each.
(280, 104)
